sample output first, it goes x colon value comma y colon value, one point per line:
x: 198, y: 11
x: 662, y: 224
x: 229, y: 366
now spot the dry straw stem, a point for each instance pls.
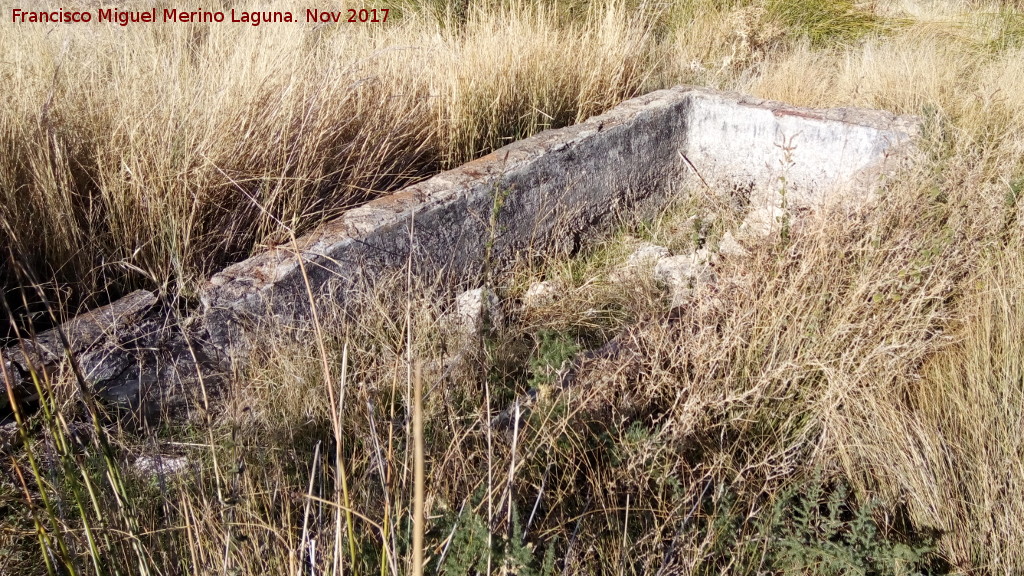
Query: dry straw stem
x: 419, y: 479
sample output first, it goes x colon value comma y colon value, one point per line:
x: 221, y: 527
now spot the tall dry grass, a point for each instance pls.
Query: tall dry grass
x: 845, y: 400
x: 149, y: 154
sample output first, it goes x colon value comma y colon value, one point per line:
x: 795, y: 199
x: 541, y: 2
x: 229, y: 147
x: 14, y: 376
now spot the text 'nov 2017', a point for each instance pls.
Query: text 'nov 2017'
x: 174, y: 15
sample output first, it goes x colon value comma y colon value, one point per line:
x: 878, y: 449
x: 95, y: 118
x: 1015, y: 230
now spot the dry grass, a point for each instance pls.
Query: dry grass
x: 845, y: 400
x: 147, y: 155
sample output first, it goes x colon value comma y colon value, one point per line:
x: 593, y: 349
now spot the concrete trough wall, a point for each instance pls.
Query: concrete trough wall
x: 551, y: 191
x: 547, y: 193
x: 815, y: 156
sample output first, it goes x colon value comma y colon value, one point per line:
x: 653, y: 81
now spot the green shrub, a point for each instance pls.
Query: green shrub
x: 823, y: 23
x: 819, y: 528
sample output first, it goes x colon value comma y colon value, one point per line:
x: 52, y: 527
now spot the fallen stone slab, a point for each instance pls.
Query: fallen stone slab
x: 161, y: 467
x: 81, y: 333
x: 132, y: 354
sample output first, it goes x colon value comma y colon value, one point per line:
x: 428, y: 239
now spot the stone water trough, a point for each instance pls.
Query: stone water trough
x: 546, y: 194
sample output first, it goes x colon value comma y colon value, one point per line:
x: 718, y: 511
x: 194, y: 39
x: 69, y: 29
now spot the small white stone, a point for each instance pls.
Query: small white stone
x: 681, y: 273
x: 704, y: 256
x: 729, y: 246
x: 763, y: 223
x: 161, y: 466
x: 641, y: 260
x: 675, y: 271
x: 540, y: 294
x: 467, y: 318
x: 647, y: 255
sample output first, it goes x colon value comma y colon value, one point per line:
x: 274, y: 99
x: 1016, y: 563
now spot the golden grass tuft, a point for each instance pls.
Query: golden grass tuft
x: 148, y: 155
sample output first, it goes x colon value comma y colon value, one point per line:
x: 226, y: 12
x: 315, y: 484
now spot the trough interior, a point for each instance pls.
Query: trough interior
x: 550, y: 192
